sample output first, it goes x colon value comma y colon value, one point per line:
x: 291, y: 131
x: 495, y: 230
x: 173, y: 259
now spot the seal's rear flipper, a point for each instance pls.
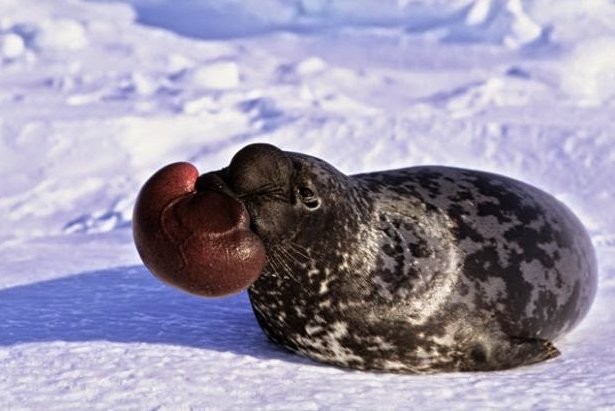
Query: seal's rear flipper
x: 532, y: 350
x: 509, y: 353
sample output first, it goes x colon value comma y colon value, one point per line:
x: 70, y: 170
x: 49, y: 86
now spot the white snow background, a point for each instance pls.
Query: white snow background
x: 94, y: 97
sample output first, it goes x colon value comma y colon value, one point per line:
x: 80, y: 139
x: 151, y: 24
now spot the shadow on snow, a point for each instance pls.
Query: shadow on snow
x: 128, y: 305
x: 216, y: 19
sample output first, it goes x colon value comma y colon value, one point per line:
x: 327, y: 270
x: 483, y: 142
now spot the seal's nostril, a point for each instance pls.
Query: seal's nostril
x: 211, y: 182
x: 201, y: 183
x: 214, y: 181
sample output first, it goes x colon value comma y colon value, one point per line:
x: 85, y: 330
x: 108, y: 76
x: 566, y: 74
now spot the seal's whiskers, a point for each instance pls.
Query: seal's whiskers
x: 298, y: 250
x: 281, y: 265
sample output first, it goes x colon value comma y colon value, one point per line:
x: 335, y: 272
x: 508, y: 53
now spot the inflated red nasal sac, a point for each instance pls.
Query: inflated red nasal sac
x: 199, y: 241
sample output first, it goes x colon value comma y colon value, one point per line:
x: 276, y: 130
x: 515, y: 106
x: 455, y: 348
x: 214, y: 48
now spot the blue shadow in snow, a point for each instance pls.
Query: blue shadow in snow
x: 204, y: 19
x: 128, y: 305
x: 224, y: 19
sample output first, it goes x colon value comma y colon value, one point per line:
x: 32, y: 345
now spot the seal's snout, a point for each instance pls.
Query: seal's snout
x: 213, y: 181
x: 192, y: 233
x: 209, y: 181
x: 257, y: 167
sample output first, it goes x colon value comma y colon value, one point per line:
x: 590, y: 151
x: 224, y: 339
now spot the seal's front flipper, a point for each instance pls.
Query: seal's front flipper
x: 509, y: 353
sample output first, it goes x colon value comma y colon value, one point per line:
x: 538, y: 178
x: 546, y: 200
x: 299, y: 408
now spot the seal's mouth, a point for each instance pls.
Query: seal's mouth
x: 195, y: 233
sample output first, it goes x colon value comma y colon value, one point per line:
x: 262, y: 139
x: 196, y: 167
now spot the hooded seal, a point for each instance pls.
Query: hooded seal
x: 416, y: 270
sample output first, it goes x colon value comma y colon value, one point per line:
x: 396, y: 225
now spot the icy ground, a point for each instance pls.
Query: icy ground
x: 94, y: 97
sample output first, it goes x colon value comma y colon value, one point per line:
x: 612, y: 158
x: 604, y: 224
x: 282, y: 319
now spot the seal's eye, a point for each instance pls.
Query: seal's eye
x: 305, y: 192
x: 308, y: 198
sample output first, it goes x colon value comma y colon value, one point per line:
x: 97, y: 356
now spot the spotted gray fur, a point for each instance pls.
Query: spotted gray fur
x: 419, y: 270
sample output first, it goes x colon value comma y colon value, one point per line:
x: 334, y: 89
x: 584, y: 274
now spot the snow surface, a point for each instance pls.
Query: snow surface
x: 94, y: 97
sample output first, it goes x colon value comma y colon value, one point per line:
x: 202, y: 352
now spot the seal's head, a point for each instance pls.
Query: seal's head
x: 209, y: 235
x: 289, y: 196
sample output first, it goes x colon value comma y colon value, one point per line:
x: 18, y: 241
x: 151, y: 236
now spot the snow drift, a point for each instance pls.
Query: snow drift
x: 93, y: 100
